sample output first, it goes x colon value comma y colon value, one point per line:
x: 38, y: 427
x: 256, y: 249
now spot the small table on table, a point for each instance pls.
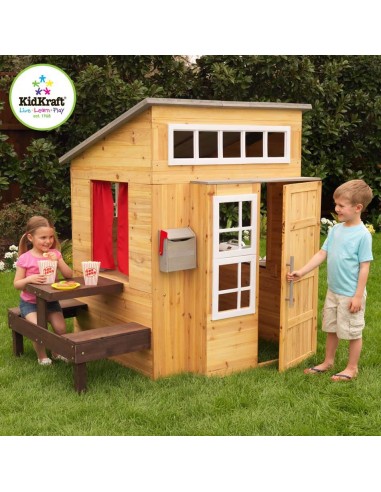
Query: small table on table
x: 45, y: 293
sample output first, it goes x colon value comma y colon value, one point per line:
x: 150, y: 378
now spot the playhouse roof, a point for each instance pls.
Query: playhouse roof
x: 152, y: 101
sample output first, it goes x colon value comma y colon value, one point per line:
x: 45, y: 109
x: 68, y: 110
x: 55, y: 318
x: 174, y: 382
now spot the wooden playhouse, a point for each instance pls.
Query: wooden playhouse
x: 167, y: 197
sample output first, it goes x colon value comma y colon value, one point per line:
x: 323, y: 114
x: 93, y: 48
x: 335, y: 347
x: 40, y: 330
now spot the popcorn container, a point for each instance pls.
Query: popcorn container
x: 49, y: 269
x: 91, y: 272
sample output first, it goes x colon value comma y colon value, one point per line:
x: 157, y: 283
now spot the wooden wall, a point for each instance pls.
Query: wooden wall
x: 123, y: 156
x: 162, y: 115
x: 216, y: 346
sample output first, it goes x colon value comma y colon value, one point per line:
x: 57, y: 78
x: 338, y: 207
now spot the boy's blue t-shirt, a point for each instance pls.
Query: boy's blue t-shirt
x: 346, y: 248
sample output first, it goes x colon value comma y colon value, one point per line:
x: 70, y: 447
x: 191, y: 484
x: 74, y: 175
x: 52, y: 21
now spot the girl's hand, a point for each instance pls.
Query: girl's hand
x: 50, y: 256
x: 36, y: 279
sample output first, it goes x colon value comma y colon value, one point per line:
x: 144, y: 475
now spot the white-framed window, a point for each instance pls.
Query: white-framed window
x: 234, y: 255
x: 228, y: 144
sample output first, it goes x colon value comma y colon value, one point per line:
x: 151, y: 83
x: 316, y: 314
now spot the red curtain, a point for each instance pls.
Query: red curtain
x: 122, y: 241
x: 103, y: 216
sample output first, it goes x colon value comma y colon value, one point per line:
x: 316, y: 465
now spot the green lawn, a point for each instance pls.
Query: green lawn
x: 40, y: 401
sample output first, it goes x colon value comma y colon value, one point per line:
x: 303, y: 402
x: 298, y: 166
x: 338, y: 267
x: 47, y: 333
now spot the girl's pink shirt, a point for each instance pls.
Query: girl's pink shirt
x: 30, y: 263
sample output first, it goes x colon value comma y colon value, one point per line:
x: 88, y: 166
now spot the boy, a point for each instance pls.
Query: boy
x: 348, y: 250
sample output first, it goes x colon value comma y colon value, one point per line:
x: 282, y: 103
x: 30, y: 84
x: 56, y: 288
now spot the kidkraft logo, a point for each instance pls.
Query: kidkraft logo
x: 42, y: 97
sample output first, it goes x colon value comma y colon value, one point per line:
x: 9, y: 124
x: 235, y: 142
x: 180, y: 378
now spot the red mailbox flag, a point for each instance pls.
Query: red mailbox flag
x: 163, y: 235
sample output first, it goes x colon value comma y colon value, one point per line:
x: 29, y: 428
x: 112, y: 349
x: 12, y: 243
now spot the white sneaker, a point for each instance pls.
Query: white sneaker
x: 45, y: 362
x: 60, y: 357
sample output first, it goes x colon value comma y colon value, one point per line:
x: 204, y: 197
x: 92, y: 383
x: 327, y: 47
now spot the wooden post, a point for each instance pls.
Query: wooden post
x: 42, y: 312
x: 18, y: 344
x: 80, y: 377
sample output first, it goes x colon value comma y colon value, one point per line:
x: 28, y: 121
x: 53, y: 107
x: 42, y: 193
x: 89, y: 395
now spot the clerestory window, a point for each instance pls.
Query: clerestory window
x: 228, y: 144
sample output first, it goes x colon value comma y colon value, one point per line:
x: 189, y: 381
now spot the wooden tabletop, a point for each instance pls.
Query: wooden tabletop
x: 47, y: 292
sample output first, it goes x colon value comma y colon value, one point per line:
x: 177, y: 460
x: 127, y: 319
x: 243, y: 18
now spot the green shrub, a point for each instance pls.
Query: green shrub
x: 67, y: 251
x: 14, y: 216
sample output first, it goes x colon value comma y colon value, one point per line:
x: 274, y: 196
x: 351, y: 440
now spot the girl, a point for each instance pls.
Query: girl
x: 39, y: 242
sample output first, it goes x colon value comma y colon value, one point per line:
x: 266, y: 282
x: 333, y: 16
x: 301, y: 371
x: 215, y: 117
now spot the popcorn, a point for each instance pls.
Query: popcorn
x: 91, y: 272
x: 49, y: 269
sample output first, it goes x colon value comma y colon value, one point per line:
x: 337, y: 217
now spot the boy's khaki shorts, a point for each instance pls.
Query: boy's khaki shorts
x: 338, y: 319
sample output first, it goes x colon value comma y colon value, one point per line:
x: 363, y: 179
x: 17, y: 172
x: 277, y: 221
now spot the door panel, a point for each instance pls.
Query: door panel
x: 300, y: 239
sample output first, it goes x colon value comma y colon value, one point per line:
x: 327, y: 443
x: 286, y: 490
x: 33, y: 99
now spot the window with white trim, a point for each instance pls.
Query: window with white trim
x: 228, y: 144
x: 234, y: 255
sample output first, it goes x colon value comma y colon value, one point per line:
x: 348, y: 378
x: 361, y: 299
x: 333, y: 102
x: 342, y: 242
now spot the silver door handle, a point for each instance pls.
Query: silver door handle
x: 290, y: 299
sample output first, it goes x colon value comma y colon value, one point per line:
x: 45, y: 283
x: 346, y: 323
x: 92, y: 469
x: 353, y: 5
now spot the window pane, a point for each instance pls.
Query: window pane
x: 247, y: 238
x: 246, y: 214
x: 245, y: 299
x: 254, y: 144
x: 182, y: 145
x: 228, y: 276
x: 208, y: 144
x: 228, y: 215
x: 275, y: 144
x: 227, y: 301
x: 231, y: 144
x: 245, y: 274
x: 229, y: 241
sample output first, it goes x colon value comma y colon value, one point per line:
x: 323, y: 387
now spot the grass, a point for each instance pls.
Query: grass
x: 36, y: 401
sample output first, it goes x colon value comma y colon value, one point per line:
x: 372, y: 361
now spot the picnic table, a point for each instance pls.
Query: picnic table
x: 83, y: 346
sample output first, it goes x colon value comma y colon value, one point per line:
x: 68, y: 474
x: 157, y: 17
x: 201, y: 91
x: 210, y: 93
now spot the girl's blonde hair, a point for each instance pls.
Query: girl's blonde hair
x: 32, y: 225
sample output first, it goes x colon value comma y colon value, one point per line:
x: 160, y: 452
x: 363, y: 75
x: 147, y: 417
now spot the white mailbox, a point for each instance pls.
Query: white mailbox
x: 177, y: 249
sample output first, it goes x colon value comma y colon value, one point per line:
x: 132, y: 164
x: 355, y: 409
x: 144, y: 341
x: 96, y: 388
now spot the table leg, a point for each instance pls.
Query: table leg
x: 80, y: 377
x: 42, y: 312
x: 18, y: 343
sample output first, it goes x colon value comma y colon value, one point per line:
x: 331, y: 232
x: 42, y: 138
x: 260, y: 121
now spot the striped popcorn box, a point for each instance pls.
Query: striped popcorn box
x: 49, y: 269
x: 90, y: 271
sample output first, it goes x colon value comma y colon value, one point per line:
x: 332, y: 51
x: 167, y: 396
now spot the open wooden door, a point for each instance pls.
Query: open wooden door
x: 298, y: 302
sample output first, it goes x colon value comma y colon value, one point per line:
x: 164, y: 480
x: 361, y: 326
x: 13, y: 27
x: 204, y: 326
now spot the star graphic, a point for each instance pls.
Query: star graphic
x: 38, y: 91
x: 49, y: 83
x: 35, y: 83
x: 47, y: 91
x: 42, y: 78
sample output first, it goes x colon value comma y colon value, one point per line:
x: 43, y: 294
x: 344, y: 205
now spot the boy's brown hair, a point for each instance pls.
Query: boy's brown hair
x: 356, y: 191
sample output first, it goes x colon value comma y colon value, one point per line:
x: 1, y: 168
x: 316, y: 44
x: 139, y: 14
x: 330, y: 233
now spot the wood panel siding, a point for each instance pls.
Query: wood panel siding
x: 170, y: 209
x: 216, y: 346
x: 162, y: 116
x: 123, y: 156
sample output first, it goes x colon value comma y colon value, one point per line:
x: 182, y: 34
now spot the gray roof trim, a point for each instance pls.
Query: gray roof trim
x: 297, y: 179
x: 153, y: 101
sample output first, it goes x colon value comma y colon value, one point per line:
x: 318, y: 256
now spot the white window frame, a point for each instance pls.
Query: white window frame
x: 220, y: 129
x: 234, y: 256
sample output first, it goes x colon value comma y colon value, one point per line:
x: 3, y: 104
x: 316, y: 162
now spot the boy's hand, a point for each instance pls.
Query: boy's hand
x: 295, y: 275
x: 354, y: 305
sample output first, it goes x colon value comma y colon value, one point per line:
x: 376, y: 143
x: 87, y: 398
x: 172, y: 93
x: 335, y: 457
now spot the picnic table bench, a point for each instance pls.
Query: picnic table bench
x: 83, y: 346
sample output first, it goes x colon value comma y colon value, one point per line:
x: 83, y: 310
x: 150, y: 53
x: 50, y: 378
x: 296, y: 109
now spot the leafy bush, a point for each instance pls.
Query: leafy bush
x: 8, y: 158
x: 43, y: 180
x: 67, y: 251
x: 14, y: 216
